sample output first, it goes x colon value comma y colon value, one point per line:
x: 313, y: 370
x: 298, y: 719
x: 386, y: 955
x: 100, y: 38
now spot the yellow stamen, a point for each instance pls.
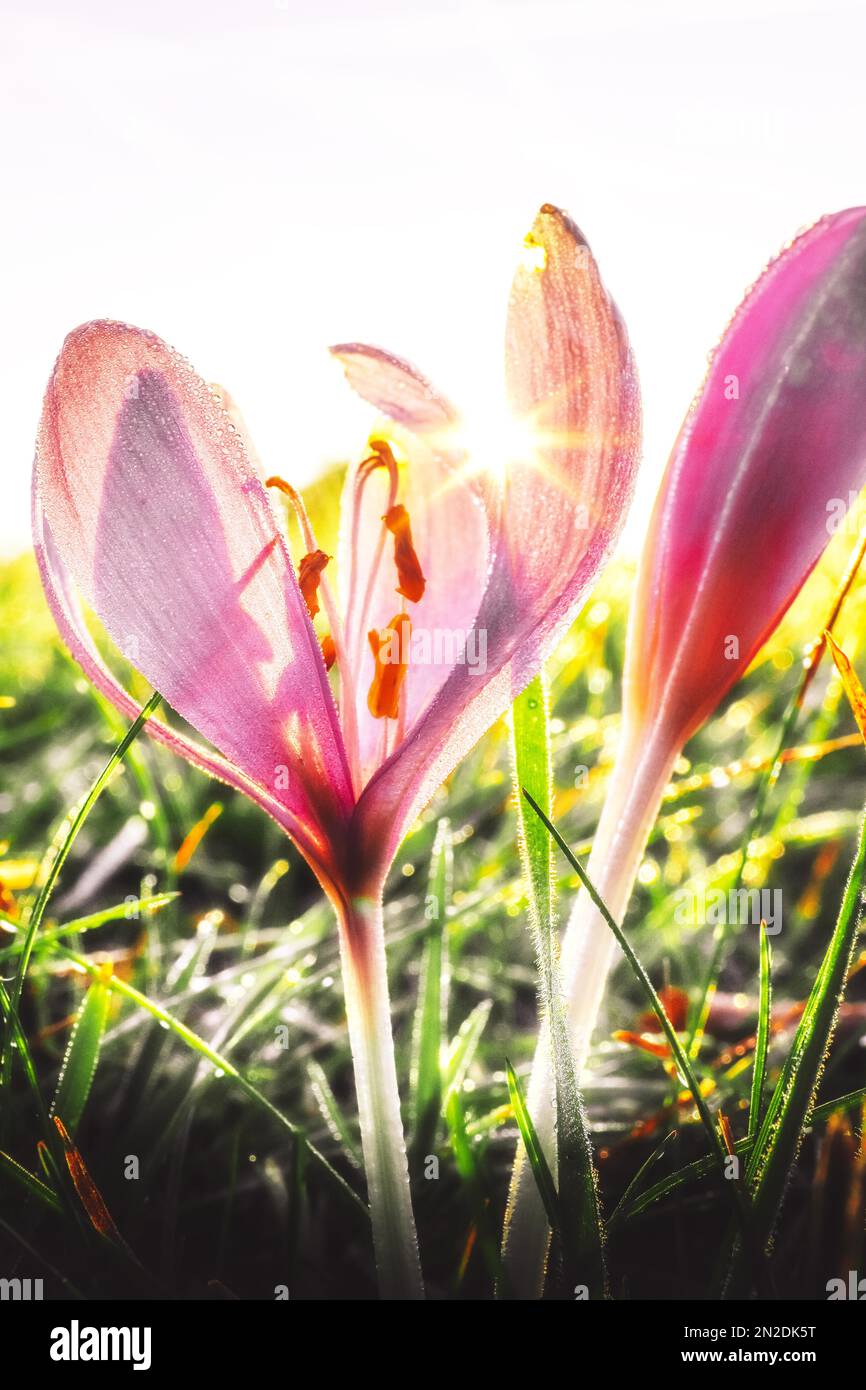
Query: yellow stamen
x: 390, y: 648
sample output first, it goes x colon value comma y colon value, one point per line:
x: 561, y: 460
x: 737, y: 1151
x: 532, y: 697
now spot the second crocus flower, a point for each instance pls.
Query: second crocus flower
x: 773, y: 446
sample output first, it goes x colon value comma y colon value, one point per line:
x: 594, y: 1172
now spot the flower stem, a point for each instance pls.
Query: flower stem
x: 633, y: 797
x: 365, y: 984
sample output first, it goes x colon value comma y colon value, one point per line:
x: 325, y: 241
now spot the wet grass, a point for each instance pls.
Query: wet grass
x: 181, y: 1000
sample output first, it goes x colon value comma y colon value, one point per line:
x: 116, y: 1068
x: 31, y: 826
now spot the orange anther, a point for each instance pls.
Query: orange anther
x: 412, y: 582
x: 329, y: 651
x: 390, y: 648
x: 383, y: 452
x: 309, y: 577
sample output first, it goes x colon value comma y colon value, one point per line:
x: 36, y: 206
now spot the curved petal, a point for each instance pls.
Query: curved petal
x: 153, y: 509
x: 450, y: 531
x: 767, y: 458
x: 67, y: 613
x: 570, y: 375
x: 395, y: 388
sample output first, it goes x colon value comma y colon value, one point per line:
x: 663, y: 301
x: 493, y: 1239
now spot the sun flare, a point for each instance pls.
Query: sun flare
x: 493, y: 439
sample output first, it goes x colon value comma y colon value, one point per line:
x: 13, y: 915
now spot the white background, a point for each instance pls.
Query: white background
x: 256, y: 179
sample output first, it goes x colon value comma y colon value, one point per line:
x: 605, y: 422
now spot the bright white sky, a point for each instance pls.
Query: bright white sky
x: 255, y: 179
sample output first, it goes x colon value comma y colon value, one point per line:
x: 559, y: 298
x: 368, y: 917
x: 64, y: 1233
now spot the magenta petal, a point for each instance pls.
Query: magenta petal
x: 765, y: 462
x: 570, y: 373
x: 156, y: 514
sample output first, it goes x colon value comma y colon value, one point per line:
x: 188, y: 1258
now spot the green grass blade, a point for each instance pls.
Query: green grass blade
x: 82, y: 1054
x: 534, y: 1152
x: 755, y: 827
x: 192, y: 960
x: 429, y: 1034
x: 332, y: 1114
x: 464, y: 1045
x: 829, y: 1107
x: 682, y: 1061
x: 51, y: 1150
x: 581, y: 1229
x: 759, y: 1067
x: 33, y: 1185
x: 776, y: 1147
x: 530, y: 753
x: 18, y: 1040
x: 149, y: 788
x: 699, y: 1168
x: 64, y: 842
x: 626, y: 1200
x: 224, y: 1068
x: 134, y: 908
x: 466, y: 1157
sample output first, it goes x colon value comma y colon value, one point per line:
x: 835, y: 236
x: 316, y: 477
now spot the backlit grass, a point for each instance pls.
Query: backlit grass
x: 207, y: 1081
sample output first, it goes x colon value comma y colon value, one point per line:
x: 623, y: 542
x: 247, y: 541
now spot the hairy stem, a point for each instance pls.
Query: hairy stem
x: 365, y: 984
x: 588, y: 950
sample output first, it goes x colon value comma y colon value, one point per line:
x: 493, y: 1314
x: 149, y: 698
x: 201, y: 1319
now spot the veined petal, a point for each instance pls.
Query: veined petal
x: 572, y: 381
x: 450, y: 531
x: 154, y: 511
x: 766, y: 460
x: 570, y: 375
x: 69, y: 617
x: 395, y: 388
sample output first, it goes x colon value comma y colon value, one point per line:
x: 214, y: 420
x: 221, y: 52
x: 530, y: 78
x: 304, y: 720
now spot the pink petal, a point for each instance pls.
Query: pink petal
x: 395, y: 388
x: 569, y: 369
x: 450, y: 531
x: 69, y: 618
x: 155, y: 513
x: 745, y: 509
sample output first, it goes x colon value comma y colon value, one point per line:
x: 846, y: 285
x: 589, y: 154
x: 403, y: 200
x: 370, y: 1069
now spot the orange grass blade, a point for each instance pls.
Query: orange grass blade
x: 851, y: 682
x: 89, y: 1194
x: 193, y: 839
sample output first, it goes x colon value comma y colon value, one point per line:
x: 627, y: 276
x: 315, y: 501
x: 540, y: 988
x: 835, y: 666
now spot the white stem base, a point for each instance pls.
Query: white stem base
x: 365, y: 983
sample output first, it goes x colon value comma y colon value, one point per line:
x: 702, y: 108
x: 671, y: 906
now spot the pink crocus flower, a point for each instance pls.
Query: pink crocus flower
x: 769, y: 455
x: 147, y: 505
